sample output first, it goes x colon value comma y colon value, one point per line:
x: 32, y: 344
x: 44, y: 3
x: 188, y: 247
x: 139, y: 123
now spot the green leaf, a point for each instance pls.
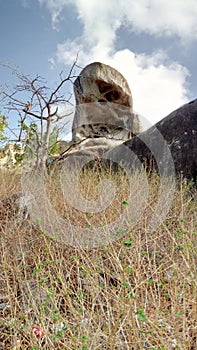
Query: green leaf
x: 141, y: 315
x: 85, y: 338
x: 128, y: 242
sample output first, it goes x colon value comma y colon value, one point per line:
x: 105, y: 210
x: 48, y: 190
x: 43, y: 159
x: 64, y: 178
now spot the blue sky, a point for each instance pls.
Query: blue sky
x: 151, y: 42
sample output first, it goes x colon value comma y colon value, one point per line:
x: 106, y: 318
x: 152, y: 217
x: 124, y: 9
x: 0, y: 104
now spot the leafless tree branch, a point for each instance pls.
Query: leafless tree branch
x: 33, y: 102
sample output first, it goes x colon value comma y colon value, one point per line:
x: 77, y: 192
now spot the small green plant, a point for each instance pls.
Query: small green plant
x: 141, y: 315
x: 128, y: 242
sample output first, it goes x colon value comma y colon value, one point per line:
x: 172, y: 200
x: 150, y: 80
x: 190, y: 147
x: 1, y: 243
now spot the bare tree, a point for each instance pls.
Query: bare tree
x: 37, y: 109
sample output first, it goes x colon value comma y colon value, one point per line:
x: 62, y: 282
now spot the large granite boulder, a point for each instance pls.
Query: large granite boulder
x: 170, y: 146
x: 104, y: 115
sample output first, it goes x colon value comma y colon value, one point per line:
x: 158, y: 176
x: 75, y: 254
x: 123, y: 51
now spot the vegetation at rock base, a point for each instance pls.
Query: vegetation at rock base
x: 138, y: 292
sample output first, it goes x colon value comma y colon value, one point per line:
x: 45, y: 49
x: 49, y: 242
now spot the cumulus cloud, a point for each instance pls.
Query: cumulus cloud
x: 157, y: 84
x: 163, y: 17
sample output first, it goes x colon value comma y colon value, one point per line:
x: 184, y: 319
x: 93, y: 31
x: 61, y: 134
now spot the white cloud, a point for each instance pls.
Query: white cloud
x: 158, y: 85
x: 55, y: 7
x: 159, y: 17
x: 157, y: 88
x: 51, y: 61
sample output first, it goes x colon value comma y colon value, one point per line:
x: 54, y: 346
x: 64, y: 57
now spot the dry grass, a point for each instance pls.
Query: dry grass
x: 138, y: 292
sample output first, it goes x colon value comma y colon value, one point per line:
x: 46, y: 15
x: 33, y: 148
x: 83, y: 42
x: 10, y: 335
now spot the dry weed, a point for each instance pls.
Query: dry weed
x: 139, y: 292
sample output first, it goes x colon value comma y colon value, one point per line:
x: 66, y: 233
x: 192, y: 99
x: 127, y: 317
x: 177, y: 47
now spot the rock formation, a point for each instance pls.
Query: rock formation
x: 105, y: 126
x: 104, y: 114
x: 170, y: 145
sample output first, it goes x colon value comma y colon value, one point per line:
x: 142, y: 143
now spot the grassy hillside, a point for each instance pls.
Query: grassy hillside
x: 138, y: 292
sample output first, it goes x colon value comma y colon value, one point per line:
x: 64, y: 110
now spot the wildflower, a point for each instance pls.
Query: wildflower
x: 37, y: 331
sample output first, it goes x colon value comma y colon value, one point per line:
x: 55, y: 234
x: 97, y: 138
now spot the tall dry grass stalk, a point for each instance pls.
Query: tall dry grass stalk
x: 138, y: 292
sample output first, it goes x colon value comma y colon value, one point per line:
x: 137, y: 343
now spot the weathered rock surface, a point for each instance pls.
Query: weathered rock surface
x: 104, y: 114
x: 170, y: 145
